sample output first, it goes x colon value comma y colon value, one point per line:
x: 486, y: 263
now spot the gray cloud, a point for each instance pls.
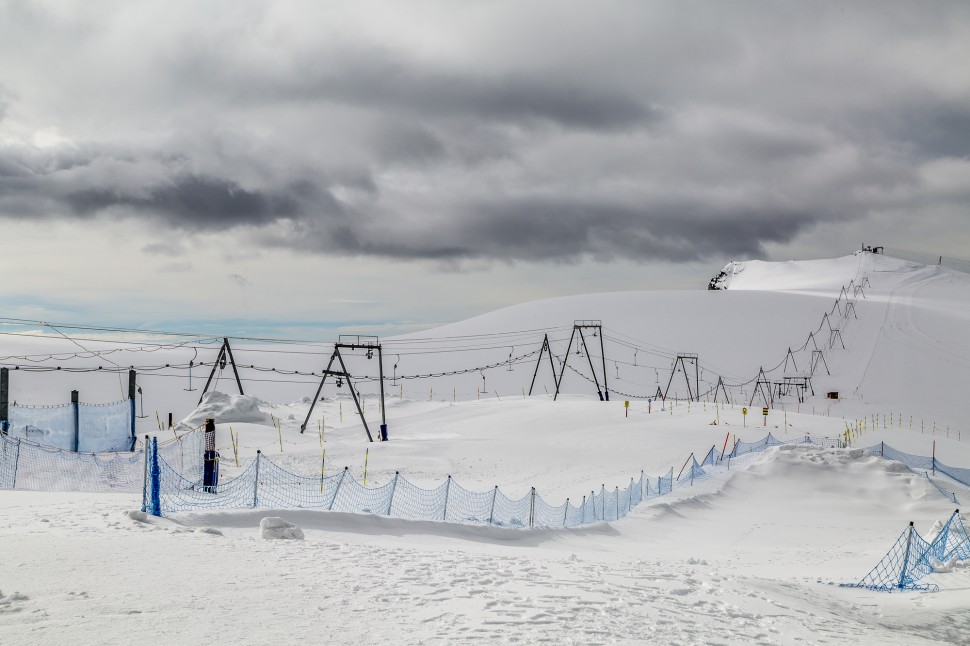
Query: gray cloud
x: 634, y: 131
x: 240, y: 281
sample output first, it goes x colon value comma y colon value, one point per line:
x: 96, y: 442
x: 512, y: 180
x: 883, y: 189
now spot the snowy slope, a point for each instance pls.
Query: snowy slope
x: 741, y: 559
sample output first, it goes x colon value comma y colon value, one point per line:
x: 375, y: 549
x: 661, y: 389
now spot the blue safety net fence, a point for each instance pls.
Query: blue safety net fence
x: 924, y: 464
x: 28, y: 466
x: 264, y: 484
x: 91, y: 428
x: 912, y: 558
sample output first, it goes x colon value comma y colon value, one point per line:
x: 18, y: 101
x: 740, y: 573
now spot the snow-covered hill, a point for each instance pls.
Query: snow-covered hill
x: 738, y: 559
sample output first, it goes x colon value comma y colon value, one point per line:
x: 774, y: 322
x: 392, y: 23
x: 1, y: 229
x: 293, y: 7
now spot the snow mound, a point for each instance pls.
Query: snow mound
x: 208, y: 530
x: 225, y: 408
x: 940, y: 567
x: 272, y: 527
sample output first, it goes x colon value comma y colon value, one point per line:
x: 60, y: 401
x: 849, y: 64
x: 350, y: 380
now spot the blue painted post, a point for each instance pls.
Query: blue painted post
x: 144, y: 479
x: 155, y: 479
x: 77, y: 420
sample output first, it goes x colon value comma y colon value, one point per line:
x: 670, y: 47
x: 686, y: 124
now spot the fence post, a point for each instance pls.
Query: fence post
x: 532, y: 508
x: 393, y: 489
x: 631, y: 493
x: 144, y: 479
x: 155, y: 479
x: 77, y: 420
x: 444, y: 514
x: 583, y: 516
x: 16, y: 461
x: 603, y: 504
x: 337, y: 490
x: 259, y: 454
x: 131, y: 404
x: 4, y: 399
x: 933, y: 463
x: 491, y: 514
x: 644, y: 486
x: 618, y: 502
x: 882, y: 449
x: 902, y: 572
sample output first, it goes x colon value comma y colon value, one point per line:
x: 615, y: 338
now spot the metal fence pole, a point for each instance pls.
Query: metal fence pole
x: 144, y: 479
x: 390, y: 502
x: 259, y: 454
x: 444, y: 514
x: 77, y: 421
x: 532, y: 508
x: 491, y: 514
x: 337, y: 490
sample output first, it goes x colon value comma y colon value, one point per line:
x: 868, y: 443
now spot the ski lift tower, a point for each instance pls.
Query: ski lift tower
x: 578, y: 327
x: 353, y: 342
x: 680, y: 363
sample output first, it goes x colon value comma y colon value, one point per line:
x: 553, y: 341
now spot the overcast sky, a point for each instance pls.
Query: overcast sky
x: 291, y: 168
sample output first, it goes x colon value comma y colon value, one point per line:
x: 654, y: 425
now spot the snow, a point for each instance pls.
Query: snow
x: 223, y: 409
x: 272, y: 527
x: 751, y: 557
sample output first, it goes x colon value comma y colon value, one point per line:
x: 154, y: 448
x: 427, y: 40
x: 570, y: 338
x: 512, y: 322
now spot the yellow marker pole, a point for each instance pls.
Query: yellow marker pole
x: 497, y: 397
x: 279, y: 431
x: 323, y: 468
x: 159, y: 419
x: 366, y: 455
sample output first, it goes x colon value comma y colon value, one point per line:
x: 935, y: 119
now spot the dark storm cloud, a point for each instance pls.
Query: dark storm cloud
x: 194, y: 202
x: 644, y: 131
x: 554, y: 230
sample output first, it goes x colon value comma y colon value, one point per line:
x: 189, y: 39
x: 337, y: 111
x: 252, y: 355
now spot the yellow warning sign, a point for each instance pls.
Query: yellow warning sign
x: 744, y: 411
x: 626, y: 404
x: 764, y: 411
